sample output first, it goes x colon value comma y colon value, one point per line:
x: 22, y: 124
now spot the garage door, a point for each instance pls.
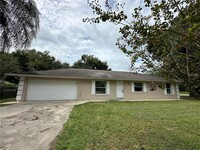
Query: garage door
x: 41, y: 89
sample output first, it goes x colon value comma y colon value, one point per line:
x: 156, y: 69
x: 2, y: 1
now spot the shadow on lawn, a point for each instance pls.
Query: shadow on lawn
x: 188, y: 98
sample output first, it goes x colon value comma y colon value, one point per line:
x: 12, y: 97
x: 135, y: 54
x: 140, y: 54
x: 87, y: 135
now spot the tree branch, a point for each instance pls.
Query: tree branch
x: 172, y: 59
x: 174, y: 1
x: 195, y: 42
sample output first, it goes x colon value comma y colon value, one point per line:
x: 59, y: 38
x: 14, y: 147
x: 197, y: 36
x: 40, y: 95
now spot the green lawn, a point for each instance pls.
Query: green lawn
x: 173, y: 125
x: 184, y: 92
x: 3, y: 101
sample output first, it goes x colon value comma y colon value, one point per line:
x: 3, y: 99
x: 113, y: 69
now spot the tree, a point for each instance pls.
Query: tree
x: 42, y: 61
x: 8, y: 64
x: 27, y: 60
x: 22, y: 59
x: 32, y: 60
x: 19, y: 23
x: 90, y: 62
x: 166, y: 39
x: 65, y: 65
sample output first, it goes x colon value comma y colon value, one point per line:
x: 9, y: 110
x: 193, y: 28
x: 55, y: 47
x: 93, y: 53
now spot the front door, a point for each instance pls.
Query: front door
x: 120, y: 89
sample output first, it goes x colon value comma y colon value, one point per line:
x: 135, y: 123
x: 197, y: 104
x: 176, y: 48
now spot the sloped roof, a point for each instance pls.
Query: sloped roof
x: 94, y: 74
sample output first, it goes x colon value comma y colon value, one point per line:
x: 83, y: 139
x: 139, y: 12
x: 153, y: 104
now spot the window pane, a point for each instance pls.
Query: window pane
x: 100, y: 83
x: 100, y: 87
x: 168, y: 91
x: 138, y: 86
x: 100, y: 91
x: 168, y: 88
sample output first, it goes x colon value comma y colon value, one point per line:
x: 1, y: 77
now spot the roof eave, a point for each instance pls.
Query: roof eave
x: 86, y: 78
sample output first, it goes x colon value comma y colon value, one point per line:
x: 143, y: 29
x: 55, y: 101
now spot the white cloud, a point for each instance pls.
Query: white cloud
x: 63, y: 33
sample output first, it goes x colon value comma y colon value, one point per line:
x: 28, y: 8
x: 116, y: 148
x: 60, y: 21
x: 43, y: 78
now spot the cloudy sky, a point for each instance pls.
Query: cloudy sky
x: 63, y: 33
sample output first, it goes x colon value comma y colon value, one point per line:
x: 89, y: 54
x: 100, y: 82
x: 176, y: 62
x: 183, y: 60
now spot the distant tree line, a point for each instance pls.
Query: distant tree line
x: 90, y: 62
x: 32, y: 60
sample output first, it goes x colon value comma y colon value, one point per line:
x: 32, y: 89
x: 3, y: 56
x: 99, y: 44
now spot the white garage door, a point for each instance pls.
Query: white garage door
x: 41, y: 89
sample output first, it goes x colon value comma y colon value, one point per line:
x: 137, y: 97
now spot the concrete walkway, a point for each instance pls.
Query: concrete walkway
x: 32, y: 125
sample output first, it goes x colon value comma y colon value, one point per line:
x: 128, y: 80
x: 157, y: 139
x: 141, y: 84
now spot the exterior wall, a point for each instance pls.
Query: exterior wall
x: 157, y: 94
x: 84, y: 91
x: 85, y: 87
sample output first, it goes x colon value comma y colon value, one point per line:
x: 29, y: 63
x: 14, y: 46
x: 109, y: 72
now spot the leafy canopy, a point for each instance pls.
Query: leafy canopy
x: 28, y: 60
x: 166, y: 40
x: 19, y: 23
x: 90, y: 62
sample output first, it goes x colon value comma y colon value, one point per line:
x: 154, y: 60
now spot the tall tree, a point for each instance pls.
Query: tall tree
x: 27, y: 60
x: 167, y: 38
x: 90, y: 62
x: 30, y: 60
x: 19, y: 23
x: 23, y: 60
x: 8, y: 64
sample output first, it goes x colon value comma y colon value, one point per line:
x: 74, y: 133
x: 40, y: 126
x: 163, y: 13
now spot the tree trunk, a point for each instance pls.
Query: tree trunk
x: 194, y: 91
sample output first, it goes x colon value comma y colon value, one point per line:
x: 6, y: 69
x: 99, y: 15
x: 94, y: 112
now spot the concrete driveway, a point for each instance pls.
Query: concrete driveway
x: 32, y: 125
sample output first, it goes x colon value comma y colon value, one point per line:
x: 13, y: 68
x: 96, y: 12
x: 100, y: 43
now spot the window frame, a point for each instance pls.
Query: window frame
x: 144, y: 88
x: 100, y: 87
x: 107, y: 87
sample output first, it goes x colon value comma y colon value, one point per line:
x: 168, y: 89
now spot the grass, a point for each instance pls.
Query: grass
x: 183, y: 92
x: 3, y: 101
x: 132, y: 125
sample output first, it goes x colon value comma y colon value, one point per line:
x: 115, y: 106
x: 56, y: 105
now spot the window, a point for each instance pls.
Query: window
x: 100, y: 87
x: 138, y: 87
x: 168, y: 88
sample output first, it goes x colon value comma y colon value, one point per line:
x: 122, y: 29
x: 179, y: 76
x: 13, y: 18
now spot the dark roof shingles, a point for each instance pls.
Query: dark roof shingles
x: 98, y: 74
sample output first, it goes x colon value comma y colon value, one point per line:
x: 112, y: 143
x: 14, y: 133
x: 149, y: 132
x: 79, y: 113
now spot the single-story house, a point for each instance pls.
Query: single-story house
x: 86, y: 84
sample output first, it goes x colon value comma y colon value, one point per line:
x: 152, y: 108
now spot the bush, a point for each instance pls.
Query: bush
x: 7, y: 90
x: 7, y: 85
